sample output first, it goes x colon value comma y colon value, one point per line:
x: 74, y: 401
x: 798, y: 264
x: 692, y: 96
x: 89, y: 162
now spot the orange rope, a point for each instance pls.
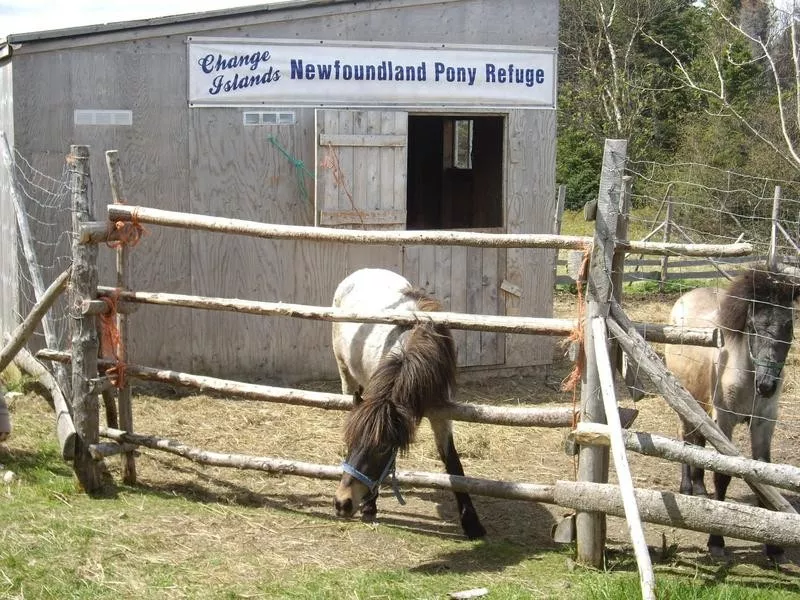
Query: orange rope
x: 124, y: 233
x: 576, y: 337
x: 570, y: 383
x: 110, y: 340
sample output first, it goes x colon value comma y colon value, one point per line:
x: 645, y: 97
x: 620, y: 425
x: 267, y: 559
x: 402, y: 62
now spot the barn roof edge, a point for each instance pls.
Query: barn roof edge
x: 89, y: 30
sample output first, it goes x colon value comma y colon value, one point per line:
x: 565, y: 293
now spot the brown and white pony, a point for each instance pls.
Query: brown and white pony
x: 740, y: 382
x: 397, y: 375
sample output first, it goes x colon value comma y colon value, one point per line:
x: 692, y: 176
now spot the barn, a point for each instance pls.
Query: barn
x: 365, y: 114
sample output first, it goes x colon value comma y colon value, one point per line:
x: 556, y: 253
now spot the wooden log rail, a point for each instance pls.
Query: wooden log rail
x: 624, y: 478
x: 155, y: 216
x: 699, y: 336
x: 181, y: 220
x: 729, y: 519
x: 65, y: 428
x: 779, y: 475
x: 664, y: 508
x: 472, y: 413
x: 24, y: 330
x: 442, y: 481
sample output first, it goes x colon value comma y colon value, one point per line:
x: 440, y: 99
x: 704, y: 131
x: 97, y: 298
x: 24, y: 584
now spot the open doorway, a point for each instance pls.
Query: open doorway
x: 455, y: 172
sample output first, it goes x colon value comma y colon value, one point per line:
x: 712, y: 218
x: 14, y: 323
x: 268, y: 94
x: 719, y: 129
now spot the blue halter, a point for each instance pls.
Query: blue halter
x: 373, y: 486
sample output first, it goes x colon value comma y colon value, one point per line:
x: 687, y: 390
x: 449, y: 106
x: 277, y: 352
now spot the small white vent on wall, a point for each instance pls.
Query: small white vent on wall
x: 103, y: 117
x: 264, y: 117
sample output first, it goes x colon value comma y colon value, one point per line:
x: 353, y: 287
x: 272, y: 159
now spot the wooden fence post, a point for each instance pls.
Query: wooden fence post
x: 124, y: 393
x: 83, y: 286
x: 665, y: 259
x: 593, y: 462
x: 772, y: 260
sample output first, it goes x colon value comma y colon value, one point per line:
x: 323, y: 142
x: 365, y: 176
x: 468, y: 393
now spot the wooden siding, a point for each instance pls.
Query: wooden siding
x: 464, y: 280
x: 206, y: 161
x: 8, y: 227
x: 493, y: 22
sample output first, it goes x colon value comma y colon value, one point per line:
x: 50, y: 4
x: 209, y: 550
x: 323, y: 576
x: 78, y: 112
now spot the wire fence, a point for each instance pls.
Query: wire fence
x: 711, y: 205
x: 696, y: 203
x: 46, y: 204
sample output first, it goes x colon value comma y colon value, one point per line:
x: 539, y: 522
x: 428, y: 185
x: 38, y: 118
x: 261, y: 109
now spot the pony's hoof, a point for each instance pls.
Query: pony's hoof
x: 775, y: 554
x: 717, y: 553
x: 474, y: 531
x: 369, y: 512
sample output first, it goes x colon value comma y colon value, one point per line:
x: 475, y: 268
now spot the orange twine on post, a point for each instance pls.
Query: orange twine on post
x: 110, y: 340
x: 570, y: 383
x: 125, y: 233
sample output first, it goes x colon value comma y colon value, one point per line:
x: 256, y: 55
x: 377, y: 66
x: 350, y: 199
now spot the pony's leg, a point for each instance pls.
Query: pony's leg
x: 761, y: 431
x: 692, y: 478
x: 350, y: 386
x: 443, y: 433
x: 716, y: 543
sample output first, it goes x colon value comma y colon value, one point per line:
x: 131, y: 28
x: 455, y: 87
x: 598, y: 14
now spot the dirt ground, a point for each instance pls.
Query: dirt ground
x: 494, y: 452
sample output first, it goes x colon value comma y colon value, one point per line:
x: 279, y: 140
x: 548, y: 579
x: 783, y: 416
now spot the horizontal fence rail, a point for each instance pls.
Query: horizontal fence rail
x: 651, y: 269
x: 155, y: 216
x: 650, y: 444
x: 665, y: 334
x: 486, y: 487
x: 514, y: 416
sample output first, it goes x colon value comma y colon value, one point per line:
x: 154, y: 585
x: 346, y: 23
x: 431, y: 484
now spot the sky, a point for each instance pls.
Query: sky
x: 25, y: 16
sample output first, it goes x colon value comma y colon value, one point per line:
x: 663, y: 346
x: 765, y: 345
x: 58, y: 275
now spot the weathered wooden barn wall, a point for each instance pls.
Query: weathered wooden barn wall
x: 203, y: 160
x: 8, y: 245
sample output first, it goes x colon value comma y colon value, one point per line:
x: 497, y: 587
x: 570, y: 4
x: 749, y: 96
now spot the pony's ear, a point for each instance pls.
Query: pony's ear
x: 792, y: 275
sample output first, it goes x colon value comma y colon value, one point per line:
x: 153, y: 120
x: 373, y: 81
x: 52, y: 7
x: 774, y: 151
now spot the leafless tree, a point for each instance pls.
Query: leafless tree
x: 773, y: 119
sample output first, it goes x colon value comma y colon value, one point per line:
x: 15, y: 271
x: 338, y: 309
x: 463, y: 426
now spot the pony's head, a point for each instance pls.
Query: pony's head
x: 376, y: 430
x: 758, y: 305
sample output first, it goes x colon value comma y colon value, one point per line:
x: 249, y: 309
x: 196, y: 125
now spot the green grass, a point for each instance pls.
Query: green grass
x: 13, y: 379
x: 57, y: 543
x: 602, y: 587
x: 641, y: 223
x: 671, y: 286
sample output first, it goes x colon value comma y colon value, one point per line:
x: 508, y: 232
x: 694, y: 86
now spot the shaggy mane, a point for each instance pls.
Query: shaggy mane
x: 757, y: 286
x: 407, y: 383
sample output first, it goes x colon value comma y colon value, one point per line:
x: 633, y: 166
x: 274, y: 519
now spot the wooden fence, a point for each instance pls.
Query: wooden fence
x: 589, y: 496
x: 649, y: 269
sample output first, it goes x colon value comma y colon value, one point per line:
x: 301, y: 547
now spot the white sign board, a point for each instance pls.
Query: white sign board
x: 247, y: 72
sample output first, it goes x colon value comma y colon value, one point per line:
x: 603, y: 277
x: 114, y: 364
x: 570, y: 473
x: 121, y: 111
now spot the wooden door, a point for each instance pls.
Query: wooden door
x: 361, y: 169
x: 361, y: 179
x: 465, y: 280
